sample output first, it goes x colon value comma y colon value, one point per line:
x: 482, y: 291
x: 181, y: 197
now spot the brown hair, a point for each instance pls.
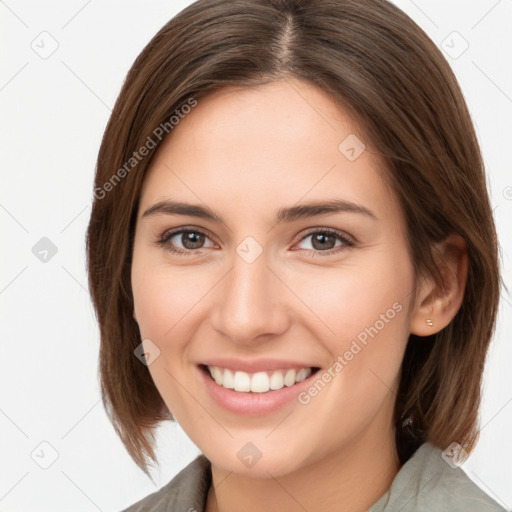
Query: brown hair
x: 375, y: 61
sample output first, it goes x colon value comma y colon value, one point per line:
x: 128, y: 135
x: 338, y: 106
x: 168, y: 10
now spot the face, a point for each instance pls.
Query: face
x: 267, y: 290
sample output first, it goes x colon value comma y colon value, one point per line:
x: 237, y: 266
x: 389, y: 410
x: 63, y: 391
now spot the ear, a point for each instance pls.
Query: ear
x: 437, y: 305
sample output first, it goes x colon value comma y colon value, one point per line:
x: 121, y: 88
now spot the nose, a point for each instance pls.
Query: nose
x: 250, y: 304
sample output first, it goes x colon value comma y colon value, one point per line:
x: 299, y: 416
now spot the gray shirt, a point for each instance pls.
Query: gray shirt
x: 425, y: 483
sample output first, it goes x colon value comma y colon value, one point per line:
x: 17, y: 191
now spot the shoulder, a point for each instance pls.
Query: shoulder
x: 186, y: 491
x: 427, y: 482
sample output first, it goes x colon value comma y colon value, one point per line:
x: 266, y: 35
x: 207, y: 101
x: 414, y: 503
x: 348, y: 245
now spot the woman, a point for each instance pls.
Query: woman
x: 291, y: 252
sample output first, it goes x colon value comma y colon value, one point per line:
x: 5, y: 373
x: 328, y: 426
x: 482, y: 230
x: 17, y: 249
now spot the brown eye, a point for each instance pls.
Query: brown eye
x: 324, y: 241
x: 190, y: 240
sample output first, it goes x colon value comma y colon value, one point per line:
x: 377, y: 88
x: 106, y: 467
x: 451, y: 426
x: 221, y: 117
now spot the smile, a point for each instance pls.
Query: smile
x: 261, y: 387
x: 259, y: 382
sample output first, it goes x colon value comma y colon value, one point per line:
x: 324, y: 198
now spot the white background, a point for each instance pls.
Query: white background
x: 53, y: 114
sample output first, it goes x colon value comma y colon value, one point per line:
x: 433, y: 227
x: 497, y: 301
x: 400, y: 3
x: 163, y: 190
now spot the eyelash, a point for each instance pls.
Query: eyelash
x: 163, y: 240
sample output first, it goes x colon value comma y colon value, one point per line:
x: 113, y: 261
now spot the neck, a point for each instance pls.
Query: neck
x: 348, y: 480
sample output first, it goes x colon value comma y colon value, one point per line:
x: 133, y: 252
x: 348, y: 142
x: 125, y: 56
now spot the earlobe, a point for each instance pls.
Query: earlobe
x: 436, y: 305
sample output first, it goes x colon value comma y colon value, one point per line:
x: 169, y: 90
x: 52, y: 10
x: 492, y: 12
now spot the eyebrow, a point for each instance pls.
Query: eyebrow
x: 287, y: 214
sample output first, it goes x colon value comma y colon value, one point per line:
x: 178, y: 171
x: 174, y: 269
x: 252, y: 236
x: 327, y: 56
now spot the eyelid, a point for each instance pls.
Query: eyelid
x: 169, y: 233
x: 174, y: 231
x: 332, y: 231
x: 348, y: 240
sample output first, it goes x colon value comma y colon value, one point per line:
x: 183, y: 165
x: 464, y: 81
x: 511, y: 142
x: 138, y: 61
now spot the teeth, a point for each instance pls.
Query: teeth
x: 241, y: 382
x: 259, y: 382
x: 277, y: 380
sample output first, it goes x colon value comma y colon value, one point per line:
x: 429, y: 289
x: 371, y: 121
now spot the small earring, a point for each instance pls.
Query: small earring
x: 429, y: 322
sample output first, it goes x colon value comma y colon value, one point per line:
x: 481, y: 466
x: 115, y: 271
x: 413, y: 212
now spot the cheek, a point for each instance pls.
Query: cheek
x: 361, y: 315
x: 164, y: 306
x: 349, y: 300
x: 163, y: 300
x: 366, y: 310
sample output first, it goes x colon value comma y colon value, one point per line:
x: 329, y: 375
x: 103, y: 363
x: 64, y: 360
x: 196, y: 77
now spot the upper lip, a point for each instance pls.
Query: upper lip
x: 256, y: 365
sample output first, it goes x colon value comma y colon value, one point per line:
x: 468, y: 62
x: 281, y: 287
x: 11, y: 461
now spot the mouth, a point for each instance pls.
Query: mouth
x: 259, y: 382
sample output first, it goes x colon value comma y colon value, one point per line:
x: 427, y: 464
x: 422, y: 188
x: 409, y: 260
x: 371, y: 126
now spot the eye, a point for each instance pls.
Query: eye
x: 324, y: 241
x: 193, y: 239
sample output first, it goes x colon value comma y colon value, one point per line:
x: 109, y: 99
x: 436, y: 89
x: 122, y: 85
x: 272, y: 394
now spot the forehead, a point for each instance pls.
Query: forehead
x: 265, y: 147
x: 287, y: 112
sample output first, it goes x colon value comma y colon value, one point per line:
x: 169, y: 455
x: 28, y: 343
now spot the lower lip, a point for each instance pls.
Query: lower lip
x: 253, y: 404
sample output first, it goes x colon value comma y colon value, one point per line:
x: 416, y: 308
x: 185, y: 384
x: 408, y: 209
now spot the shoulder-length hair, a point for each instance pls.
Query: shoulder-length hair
x: 376, y: 62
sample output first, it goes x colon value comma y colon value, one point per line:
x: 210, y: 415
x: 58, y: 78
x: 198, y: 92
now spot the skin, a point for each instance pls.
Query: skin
x: 245, y: 153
